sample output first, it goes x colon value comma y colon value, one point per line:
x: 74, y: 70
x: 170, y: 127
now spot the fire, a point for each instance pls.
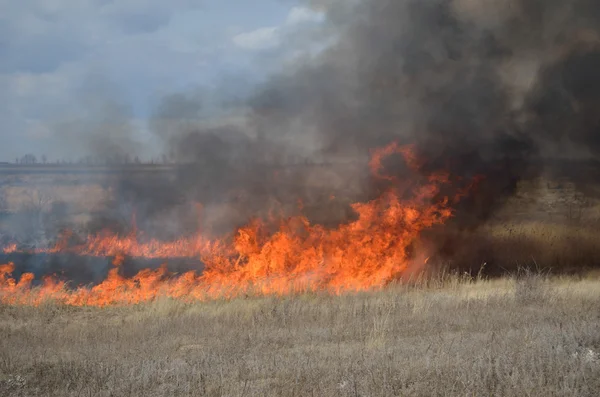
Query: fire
x: 9, y: 249
x: 278, y: 256
x: 115, y: 289
x: 109, y: 245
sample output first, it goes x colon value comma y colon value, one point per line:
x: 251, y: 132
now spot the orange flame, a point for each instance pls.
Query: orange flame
x: 289, y: 256
x: 109, y: 244
x: 9, y: 249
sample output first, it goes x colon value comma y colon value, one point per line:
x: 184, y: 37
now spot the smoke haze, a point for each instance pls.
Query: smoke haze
x: 482, y: 88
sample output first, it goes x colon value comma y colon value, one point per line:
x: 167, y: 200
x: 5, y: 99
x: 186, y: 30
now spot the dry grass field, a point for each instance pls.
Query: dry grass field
x: 523, y: 335
x: 517, y: 336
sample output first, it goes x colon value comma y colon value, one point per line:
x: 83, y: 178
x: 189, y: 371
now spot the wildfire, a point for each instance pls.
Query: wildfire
x: 107, y: 244
x: 9, y: 249
x: 280, y: 256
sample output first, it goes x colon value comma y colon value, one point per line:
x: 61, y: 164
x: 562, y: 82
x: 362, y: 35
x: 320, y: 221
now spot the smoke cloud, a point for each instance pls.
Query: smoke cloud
x: 482, y: 88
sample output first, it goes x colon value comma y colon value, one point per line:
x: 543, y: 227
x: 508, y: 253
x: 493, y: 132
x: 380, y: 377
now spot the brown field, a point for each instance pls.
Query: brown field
x: 520, y: 335
x: 531, y: 336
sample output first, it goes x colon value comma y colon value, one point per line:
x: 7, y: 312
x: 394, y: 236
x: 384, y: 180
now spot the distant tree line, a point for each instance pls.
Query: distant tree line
x: 126, y: 159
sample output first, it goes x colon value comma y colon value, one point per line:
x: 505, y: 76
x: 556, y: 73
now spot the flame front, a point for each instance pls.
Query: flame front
x: 9, y: 249
x: 281, y: 256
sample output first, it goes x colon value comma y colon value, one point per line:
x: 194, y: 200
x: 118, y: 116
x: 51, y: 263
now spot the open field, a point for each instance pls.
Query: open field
x: 546, y: 222
x: 508, y: 337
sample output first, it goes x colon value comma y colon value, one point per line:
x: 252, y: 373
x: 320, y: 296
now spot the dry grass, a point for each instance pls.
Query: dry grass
x: 84, y: 197
x: 505, y: 247
x: 507, y: 337
x: 528, y: 335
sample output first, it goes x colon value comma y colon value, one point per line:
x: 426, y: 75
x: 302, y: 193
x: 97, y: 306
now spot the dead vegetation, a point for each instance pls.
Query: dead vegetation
x: 518, y: 336
x: 529, y: 334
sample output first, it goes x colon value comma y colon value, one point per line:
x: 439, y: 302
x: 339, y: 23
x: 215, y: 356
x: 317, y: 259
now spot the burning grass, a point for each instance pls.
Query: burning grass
x: 278, y: 256
x: 286, y: 307
x: 529, y: 335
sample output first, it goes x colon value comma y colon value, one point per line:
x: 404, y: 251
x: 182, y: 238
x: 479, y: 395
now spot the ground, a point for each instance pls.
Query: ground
x: 505, y: 337
x: 447, y: 336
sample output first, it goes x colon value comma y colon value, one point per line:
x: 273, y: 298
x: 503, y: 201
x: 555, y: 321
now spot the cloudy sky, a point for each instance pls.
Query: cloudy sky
x: 60, y: 58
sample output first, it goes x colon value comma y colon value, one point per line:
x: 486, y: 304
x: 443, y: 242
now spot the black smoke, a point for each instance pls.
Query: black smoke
x: 483, y: 88
x: 492, y: 89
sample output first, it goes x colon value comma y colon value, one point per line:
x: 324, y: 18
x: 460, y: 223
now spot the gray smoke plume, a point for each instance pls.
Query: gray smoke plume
x: 483, y: 88
x: 497, y: 89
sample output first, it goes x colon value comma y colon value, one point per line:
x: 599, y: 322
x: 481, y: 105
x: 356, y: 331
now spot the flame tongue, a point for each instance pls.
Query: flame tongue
x: 297, y: 256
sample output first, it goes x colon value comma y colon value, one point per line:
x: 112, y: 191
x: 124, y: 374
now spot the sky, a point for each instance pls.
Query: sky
x: 62, y: 60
